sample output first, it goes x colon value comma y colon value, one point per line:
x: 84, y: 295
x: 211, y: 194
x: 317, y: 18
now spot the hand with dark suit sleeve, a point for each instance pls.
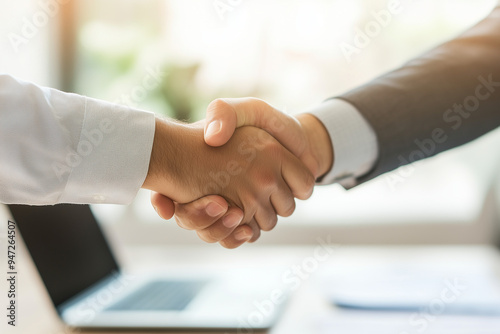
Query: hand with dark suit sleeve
x: 440, y: 100
x: 443, y: 99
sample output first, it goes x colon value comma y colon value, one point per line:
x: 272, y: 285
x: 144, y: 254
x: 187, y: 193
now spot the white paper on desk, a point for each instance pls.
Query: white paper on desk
x: 356, y: 322
x: 416, y: 289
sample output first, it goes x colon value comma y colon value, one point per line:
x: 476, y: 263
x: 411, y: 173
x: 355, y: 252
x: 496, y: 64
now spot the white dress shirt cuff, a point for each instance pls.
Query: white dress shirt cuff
x: 354, y: 142
x: 111, y: 160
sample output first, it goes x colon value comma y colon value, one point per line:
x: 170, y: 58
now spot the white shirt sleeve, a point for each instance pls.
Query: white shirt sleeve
x: 57, y: 147
x: 354, y: 142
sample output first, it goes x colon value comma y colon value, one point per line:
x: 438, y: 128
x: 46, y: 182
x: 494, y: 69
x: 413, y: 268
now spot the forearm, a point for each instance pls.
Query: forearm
x: 179, y: 161
x: 163, y: 173
x: 445, y: 98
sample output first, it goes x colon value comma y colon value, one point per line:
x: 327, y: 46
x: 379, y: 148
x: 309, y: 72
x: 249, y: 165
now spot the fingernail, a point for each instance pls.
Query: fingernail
x: 213, y: 128
x: 231, y: 220
x: 214, y: 209
x: 241, y: 235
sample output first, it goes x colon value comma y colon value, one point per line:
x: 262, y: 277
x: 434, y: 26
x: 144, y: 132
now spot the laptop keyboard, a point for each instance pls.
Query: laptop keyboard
x: 160, y: 296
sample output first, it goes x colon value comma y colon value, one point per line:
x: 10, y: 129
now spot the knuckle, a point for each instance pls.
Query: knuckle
x: 310, y: 181
x: 260, y: 106
x: 266, y: 180
x: 229, y: 244
x: 307, y: 187
x: 182, y: 223
x: 289, y: 210
x: 250, y: 208
x: 215, y: 233
x: 270, y: 223
x: 256, y: 100
x: 255, y: 237
x: 188, y: 223
x: 207, y: 236
x: 184, y: 215
x: 217, y: 105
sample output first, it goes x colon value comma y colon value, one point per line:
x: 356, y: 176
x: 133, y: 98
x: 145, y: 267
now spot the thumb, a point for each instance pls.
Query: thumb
x: 220, y: 122
x: 225, y: 115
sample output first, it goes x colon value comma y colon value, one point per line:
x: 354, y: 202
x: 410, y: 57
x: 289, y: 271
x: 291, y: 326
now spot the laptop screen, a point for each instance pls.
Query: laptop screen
x: 67, y: 246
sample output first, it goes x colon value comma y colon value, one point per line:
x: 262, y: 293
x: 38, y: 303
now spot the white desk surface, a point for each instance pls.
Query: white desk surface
x: 308, y: 310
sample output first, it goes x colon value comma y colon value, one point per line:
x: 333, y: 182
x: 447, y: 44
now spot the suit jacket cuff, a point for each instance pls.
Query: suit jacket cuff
x: 353, y: 140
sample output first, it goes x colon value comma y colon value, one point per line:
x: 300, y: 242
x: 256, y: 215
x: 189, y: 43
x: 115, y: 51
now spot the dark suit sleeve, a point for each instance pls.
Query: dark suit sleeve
x: 443, y: 99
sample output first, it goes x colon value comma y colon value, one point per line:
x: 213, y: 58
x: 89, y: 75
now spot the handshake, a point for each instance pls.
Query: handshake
x: 229, y: 177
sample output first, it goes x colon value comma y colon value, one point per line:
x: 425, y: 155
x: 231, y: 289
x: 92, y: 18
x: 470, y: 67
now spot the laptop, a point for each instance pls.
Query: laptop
x: 88, y: 289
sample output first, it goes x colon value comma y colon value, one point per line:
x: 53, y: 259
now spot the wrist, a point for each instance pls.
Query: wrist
x: 161, y: 169
x: 320, y: 142
x: 174, y: 168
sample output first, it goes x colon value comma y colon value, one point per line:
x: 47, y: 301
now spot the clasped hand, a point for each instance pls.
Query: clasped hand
x: 230, y: 176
